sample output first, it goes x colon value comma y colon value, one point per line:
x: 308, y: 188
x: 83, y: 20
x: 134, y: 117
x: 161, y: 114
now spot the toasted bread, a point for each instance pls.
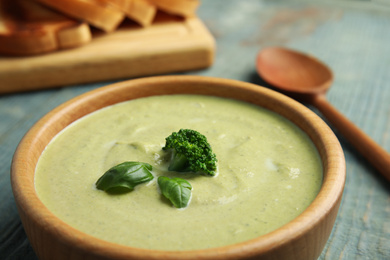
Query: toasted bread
x: 98, y: 13
x: 140, y: 11
x: 28, y: 28
x: 184, y: 8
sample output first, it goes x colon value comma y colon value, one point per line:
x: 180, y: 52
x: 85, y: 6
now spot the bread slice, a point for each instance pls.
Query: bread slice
x: 28, y: 28
x: 140, y: 11
x: 185, y: 8
x: 98, y: 13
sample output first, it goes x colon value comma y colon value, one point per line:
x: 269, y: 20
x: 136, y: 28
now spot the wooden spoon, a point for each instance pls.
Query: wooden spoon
x: 307, y: 79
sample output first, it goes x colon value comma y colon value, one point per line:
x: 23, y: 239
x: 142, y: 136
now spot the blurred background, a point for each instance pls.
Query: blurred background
x: 351, y: 37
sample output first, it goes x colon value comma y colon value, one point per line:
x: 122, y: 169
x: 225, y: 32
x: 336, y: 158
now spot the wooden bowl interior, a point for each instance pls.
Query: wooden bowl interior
x: 52, y: 238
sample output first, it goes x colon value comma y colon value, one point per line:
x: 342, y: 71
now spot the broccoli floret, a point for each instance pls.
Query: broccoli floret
x: 190, y: 152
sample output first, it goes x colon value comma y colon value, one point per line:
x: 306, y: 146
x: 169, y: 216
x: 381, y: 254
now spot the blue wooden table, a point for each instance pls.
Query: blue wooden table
x: 352, y: 37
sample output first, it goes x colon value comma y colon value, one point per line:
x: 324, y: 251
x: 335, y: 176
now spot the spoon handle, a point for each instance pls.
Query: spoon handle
x: 375, y: 154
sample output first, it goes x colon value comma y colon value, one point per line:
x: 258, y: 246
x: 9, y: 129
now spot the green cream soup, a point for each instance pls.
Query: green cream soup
x: 268, y: 173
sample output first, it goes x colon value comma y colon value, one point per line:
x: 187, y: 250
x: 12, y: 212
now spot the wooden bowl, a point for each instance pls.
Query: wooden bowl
x: 302, y: 238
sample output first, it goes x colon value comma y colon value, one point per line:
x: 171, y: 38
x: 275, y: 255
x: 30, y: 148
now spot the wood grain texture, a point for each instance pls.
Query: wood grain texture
x: 166, y: 47
x: 367, y: 147
x: 53, y: 239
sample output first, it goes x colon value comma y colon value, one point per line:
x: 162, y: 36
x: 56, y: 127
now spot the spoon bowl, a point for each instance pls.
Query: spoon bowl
x: 293, y: 71
x: 305, y: 78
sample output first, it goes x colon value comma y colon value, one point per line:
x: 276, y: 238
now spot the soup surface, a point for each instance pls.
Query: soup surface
x: 268, y: 173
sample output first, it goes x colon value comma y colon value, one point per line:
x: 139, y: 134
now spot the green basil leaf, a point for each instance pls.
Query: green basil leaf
x: 177, y: 190
x: 124, y: 177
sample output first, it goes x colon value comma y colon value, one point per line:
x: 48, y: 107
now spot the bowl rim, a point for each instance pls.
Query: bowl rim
x: 25, y: 159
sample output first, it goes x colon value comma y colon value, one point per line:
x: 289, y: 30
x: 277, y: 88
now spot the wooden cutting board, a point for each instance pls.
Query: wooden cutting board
x: 168, y: 46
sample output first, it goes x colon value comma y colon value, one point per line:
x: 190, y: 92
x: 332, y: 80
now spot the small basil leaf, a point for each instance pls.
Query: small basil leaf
x: 177, y: 190
x: 124, y: 177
